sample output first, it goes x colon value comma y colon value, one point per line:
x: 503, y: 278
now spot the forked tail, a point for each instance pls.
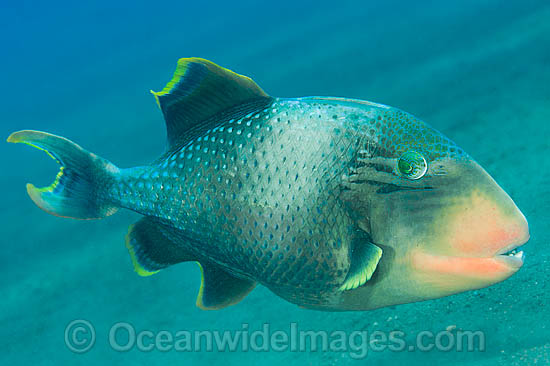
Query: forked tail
x: 79, y: 190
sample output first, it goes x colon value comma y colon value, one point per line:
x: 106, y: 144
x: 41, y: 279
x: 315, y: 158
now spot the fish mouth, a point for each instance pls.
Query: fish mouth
x: 487, y: 269
x: 512, y: 255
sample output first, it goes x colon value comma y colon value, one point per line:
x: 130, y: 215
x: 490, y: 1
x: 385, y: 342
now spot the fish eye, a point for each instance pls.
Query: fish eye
x: 412, y: 165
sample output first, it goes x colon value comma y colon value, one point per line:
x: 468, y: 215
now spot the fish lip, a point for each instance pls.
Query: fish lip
x: 489, y: 269
x: 514, y: 262
x: 510, y: 264
x: 513, y: 245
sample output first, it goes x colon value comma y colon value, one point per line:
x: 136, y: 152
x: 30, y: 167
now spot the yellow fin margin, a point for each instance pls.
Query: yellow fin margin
x: 360, y: 278
x: 137, y: 267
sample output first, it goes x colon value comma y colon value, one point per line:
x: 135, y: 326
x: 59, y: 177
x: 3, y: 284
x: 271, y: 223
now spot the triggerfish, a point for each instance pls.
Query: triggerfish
x: 331, y: 203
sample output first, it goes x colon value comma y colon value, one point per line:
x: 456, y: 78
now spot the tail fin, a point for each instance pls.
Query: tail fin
x: 79, y: 189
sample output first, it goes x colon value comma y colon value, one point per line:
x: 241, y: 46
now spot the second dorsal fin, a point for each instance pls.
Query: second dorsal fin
x: 198, y: 91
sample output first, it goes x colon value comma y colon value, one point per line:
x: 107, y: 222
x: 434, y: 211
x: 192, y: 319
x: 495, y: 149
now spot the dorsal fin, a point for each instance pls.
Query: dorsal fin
x: 198, y: 91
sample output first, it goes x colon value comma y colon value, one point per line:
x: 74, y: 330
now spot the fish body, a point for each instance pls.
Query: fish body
x: 332, y: 203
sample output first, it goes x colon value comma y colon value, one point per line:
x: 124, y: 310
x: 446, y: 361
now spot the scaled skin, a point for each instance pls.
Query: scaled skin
x: 297, y: 195
x: 268, y: 197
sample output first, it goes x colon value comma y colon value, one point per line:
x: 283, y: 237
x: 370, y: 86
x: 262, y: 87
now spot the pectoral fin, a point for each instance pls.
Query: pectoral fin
x: 364, y: 260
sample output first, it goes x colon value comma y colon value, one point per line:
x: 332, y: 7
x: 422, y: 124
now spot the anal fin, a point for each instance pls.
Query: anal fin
x: 154, y: 246
x: 150, y: 250
x: 220, y: 289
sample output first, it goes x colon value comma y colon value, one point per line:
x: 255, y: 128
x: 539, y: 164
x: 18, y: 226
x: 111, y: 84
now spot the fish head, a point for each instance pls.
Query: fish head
x: 444, y: 225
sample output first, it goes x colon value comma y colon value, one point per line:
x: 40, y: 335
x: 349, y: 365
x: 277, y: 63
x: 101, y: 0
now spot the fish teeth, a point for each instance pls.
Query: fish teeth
x: 514, y: 253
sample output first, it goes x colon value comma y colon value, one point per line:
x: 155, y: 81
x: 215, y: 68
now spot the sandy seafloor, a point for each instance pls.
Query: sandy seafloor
x: 478, y: 70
